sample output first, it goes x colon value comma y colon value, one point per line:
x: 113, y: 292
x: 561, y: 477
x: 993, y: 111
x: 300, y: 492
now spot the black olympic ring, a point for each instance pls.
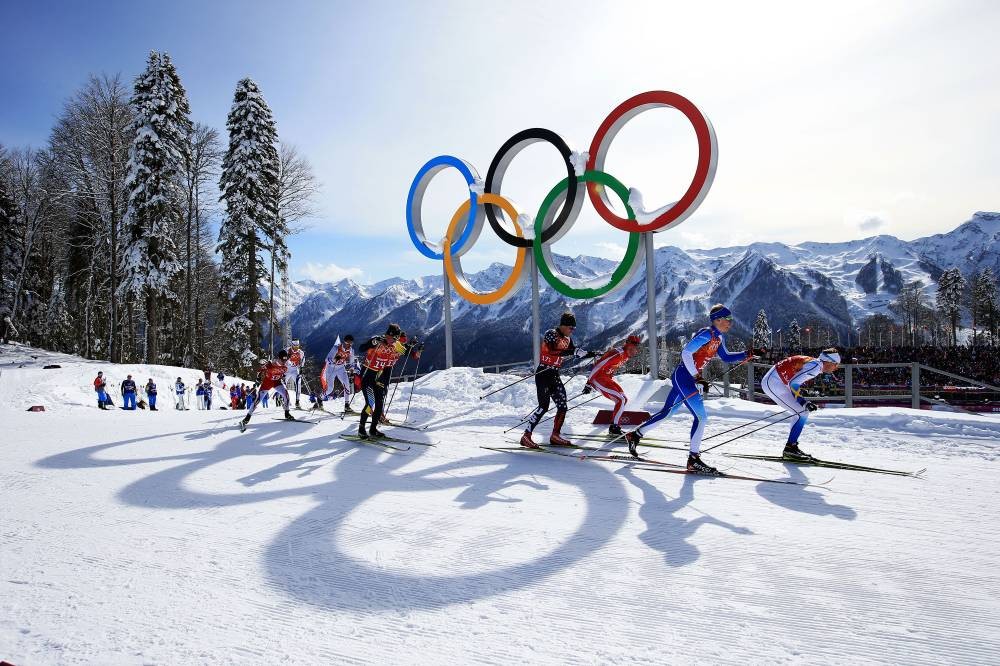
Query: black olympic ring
x: 498, y: 167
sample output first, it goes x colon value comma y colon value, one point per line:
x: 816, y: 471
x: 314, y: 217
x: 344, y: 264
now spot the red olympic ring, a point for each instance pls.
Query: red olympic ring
x: 708, y: 152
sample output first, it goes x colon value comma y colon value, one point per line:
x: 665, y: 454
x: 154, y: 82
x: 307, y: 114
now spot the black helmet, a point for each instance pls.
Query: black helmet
x: 282, y: 354
x: 348, y: 338
x: 567, y: 319
x: 393, y: 330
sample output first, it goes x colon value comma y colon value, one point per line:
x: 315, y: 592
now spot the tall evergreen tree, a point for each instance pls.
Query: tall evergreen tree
x: 162, y: 124
x: 984, y: 306
x: 950, y: 294
x: 761, y: 330
x: 794, y: 334
x: 249, y: 187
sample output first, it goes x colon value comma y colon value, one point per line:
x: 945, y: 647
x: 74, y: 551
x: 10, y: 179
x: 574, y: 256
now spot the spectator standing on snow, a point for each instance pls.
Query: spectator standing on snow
x: 180, y: 390
x: 99, y: 387
x: 199, y: 395
x: 128, y: 393
x: 151, y: 394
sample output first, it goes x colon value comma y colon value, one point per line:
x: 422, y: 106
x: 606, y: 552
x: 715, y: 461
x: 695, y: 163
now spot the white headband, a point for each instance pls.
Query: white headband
x: 830, y: 357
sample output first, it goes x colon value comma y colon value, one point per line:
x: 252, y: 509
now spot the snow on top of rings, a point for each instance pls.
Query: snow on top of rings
x: 477, y: 187
x: 579, y: 162
x: 642, y: 215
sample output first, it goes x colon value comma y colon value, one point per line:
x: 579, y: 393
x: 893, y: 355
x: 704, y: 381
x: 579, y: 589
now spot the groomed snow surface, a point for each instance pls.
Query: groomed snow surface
x: 171, y: 538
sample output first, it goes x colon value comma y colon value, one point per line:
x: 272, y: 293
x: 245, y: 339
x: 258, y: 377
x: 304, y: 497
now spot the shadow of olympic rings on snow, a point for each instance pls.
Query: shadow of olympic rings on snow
x: 304, y: 559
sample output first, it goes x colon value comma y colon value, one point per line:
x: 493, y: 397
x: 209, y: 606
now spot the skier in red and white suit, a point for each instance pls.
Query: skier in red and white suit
x: 296, y: 359
x: 270, y: 376
x: 338, y: 363
x: 602, y: 378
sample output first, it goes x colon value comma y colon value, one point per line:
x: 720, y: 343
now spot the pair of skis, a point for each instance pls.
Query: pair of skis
x: 650, y: 464
x: 384, y: 441
x: 832, y: 464
x: 814, y: 462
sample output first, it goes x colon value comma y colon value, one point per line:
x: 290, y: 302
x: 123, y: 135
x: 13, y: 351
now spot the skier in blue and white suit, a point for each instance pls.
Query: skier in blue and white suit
x: 705, y: 345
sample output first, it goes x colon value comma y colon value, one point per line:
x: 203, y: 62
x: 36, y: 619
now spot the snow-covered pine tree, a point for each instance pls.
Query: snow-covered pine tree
x: 984, y: 306
x: 950, y: 294
x: 761, y: 330
x: 794, y: 334
x: 161, y: 124
x: 248, y: 187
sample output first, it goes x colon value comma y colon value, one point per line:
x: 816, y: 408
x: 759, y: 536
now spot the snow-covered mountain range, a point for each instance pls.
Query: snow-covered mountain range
x: 833, y: 284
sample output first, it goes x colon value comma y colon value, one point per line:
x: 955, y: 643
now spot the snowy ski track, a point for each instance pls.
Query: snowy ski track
x: 170, y: 538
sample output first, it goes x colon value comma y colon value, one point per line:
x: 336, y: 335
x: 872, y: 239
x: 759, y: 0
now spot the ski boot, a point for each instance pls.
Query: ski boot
x: 375, y: 432
x: 297, y: 405
x: 243, y: 423
x: 348, y: 410
x: 362, y: 433
x: 793, y: 452
x: 696, y: 466
x: 527, y: 442
x: 632, y: 439
x: 383, y: 420
x: 288, y: 416
x: 614, y: 430
x: 558, y: 440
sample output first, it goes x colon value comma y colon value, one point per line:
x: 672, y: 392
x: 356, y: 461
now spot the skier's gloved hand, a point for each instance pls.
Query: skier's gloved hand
x: 811, y: 406
x: 587, y: 389
x: 701, y: 381
x: 580, y: 353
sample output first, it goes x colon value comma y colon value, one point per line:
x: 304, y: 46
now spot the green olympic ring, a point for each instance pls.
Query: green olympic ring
x: 543, y: 253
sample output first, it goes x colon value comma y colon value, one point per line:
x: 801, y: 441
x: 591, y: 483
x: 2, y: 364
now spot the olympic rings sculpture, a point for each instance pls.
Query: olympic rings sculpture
x: 561, y: 207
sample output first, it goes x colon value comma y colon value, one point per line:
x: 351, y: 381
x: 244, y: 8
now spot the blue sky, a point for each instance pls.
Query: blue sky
x: 834, y: 122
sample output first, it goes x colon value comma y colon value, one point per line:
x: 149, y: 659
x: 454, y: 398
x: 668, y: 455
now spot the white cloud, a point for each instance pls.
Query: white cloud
x: 329, y: 272
x: 867, y: 221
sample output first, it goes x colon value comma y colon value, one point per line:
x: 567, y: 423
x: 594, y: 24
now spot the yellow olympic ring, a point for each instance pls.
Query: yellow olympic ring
x: 453, y: 264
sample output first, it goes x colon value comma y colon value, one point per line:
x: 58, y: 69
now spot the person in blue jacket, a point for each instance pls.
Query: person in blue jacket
x: 128, y: 393
x: 151, y: 394
x: 705, y: 345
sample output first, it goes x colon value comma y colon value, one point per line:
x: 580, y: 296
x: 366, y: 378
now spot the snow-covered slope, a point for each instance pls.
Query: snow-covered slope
x: 133, y: 538
x: 837, y: 283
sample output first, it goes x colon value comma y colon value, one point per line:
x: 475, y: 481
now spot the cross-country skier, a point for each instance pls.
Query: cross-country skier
x: 380, y: 354
x: 340, y: 358
x: 128, y: 393
x: 100, y: 385
x: 783, y: 382
x: 705, y: 344
x: 151, y: 394
x: 296, y: 359
x: 556, y: 345
x: 601, y: 378
x: 270, y: 376
x: 179, y: 390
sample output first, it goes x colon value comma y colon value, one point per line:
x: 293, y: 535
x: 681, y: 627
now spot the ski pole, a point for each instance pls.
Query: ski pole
x: 580, y: 404
x: 402, y: 371
x: 576, y: 369
x: 525, y: 419
x: 733, y: 439
x: 415, y: 373
x: 742, y: 425
x: 504, y: 388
